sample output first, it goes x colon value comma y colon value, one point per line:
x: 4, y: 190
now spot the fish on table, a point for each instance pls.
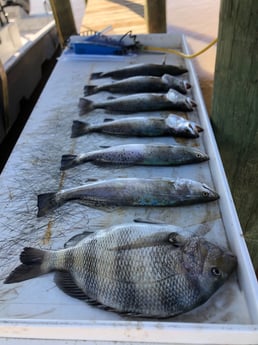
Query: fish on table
x: 141, y: 69
x: 172, y: 100
x: 137, y: 154
x: 141, y: 126
x: 121, y: 192
x: 141, y: 270
x: 139, y: 84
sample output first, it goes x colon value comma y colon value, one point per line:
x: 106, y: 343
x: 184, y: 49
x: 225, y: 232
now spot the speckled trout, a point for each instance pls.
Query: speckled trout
x: 137, y: 154
x: 172, y: 100
x: 141, y: 69
x: 141, y: 270
x: 141, y: 84
x: 141, y: 126
x: 130, y: 192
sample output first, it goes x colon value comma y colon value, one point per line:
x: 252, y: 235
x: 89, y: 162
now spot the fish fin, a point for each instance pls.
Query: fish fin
x: 68, y: 161
x: 66, y: 283
x: 85, y: 106
x: 89, y: 90
x: 148, y: 221
x: 155, y: 239
x: 46, y: 202
x: 91, y: 179
x: 95, y: 75
x: 108, y: 119
x: 31, y: 259
x: 104, y: 146
x: 176, y: 239
x: 73, y: 241
x: 111, y: 97
x: 79, y: 128
x: 164, y: 60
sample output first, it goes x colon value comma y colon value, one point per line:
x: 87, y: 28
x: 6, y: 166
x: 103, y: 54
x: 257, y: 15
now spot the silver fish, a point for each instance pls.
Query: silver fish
x: 172, y: 100
x: 140, y: 84
x: 130, y: 192
x: 141, y: 126
x: 141, y: 69
x: 141, y: 270
x: 137, y: 154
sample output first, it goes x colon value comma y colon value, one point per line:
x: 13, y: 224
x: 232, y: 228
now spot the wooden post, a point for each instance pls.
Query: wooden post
x: 155, y: 16
x: 64, y: 19
x: 235, y: 110
x: 5, y: 97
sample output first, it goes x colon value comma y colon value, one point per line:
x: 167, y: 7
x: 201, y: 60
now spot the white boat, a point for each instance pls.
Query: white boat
x: 27, y: 42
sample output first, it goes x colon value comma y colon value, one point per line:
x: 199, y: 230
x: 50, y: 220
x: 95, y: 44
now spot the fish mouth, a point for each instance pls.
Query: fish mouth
x: 190, y: 103
x: 210, y: 193
x: 204, y: 157
x: 187, y: 85
x: 194, y: 129
x: 198, y: 128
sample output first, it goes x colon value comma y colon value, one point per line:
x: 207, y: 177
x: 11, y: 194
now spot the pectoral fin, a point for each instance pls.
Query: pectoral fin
x: 155, y: 239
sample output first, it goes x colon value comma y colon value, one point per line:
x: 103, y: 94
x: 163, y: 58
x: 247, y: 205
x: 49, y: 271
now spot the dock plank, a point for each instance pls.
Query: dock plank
x: 122, y: 15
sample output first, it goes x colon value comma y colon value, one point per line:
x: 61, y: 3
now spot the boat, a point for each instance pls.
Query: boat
x: 28, y: 42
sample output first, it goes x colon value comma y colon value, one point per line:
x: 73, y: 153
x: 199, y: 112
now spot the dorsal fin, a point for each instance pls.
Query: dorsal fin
x: 73, y: 241
x: 164, y: 60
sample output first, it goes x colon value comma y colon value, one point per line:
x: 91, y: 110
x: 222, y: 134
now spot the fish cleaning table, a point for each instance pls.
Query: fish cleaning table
x: 36, y: 311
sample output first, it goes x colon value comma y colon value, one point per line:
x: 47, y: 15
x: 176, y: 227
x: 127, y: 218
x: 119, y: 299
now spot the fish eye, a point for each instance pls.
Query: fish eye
x: 198, y: 155
x: 205, y: 194
x: 215, y: 271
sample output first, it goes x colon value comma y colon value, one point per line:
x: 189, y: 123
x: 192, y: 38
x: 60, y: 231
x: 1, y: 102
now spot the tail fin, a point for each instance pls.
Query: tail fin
x: 89, y: 90
x: 79, y: 128
x: 31, y: 266
x: 46, y: 203
x: 96, y: 75
x: 85, y: 106
x: 68, y: 161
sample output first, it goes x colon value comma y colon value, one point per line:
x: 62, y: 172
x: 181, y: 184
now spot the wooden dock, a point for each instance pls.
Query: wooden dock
x: 125, y: 15
x: 122, y: 15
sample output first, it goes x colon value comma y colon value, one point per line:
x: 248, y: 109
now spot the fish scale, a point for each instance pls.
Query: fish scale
x: 137, y: 154
x: 158, y: 192
x: 138, y: 84
x: 141, y: 102
x: 138, y: 269
x: 141, y: 126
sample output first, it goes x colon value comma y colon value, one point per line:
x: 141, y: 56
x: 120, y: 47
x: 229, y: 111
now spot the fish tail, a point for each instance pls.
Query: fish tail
x: 79, y: 128
x: 85, y: 106
x: 89, y: 90
x: 68, y: 161
x: 31, y: 267
x: 46, y: 203
x: 95, y: 75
